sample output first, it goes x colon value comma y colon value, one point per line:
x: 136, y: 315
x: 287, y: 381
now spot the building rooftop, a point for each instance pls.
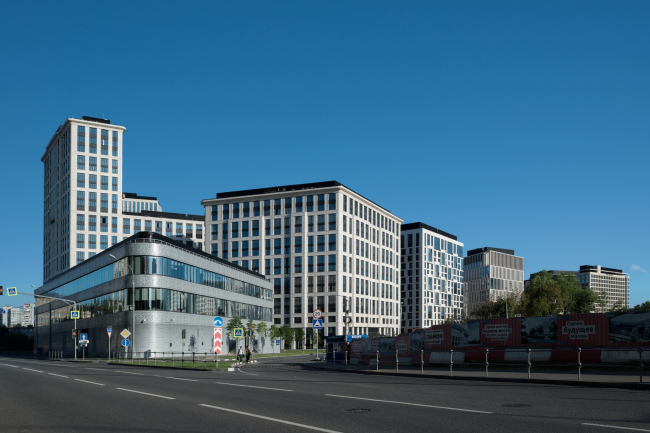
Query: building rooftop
x: 418, y: 225
x: 178, y: 216
x: 589, y: 268
x: 486, y: 249
x: 96, y: 119
x: 133, y: 195
x: 290, y: 188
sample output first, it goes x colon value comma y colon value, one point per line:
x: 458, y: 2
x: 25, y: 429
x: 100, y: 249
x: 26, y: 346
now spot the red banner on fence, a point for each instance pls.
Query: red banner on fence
x: 582, y: 330
x: 500, y: 332
x: 437, y: 337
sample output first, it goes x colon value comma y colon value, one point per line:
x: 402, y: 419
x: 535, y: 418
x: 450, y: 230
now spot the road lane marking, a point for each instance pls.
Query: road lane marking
x: 9, y: 365
x: 100, y: 369
x: 615, y: 426
x: 270, y: 419
x: 127, y: 372
x: 58, y: 375
x: 146, y: 393
x: 31, y: 370
x: 251, y: 386
x: 239, y: 369
x: 87, y: 381
x: 180, y: 378
x: 409, y: 404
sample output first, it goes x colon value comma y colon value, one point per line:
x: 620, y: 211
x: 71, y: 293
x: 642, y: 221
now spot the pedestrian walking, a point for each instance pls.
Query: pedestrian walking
x: 240, y: 354
x: 248, y: 354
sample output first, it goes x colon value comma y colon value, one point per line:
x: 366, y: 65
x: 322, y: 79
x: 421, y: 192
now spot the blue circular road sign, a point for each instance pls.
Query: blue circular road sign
x: 218, y: 322
x: 125, y: 343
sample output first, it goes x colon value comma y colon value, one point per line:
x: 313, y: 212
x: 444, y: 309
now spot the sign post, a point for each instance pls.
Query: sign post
x: 317, y: 324
x: 109, y: 330
x: 125, y: 342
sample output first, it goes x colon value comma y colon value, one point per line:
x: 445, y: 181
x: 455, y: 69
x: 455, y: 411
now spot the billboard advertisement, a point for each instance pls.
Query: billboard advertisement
x: 538, y: 330
x: 633, y: 327
x: 582, y: 329
x: 403, y: 343
x: 500, y: 332
x: 464, y: 334
x: 417, y: 340
x: 386, y: 345
x: 437, y: 337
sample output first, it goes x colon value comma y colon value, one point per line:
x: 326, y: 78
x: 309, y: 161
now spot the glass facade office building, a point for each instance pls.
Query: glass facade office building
x: 178, y: 291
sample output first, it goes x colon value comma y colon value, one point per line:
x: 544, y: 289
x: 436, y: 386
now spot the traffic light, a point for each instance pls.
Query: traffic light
x: 1, y: 291
x: 74, y: 333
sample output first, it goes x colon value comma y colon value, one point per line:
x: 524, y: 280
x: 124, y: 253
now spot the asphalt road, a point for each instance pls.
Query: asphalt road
x: 49, y: 396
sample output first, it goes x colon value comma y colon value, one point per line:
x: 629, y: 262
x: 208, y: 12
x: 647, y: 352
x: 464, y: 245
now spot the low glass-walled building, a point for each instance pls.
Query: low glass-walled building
x: 178, y: 291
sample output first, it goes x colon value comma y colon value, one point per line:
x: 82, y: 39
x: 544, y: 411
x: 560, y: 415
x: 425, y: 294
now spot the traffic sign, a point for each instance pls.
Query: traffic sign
x: 83, y: 343
x: 277, y: 342
x: 110, y: 331
x: 83, y: 337
x: 74, y: 314
x: 217, y: 341
x: 125, y: 333
x: 317, y: 324
x: 217, y: 322
x: 3, y: 311
x: 239, y: 332
x: 12, y: 291
x: 125, y: 343
x: 318, y: 314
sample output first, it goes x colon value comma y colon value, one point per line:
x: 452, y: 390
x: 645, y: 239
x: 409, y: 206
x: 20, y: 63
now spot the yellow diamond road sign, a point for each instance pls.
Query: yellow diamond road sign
x: 125, y: 333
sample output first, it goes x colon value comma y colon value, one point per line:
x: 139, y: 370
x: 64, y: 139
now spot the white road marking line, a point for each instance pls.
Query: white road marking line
x: 270, y: 419
x: 87, y: 381
x: 239, y: 369
x: 58, y: 375
x: 146, y: 393
x: 615, y: 426
x: 9, y: 365
x: 180, y: 378
x: 127, y: 372
x: 251, y: 386
x: 31, y: 370
x: 100, y: 369
x: 409, y: 404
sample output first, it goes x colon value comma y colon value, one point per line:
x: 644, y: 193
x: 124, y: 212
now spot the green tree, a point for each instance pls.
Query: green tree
x: 287, y: 333
x: 642, y: 307
x: 233, y: 324
x: 549, y: 294
x: 298, y: 336
x: 262, y: 332
x: 274, y: 332
x: 251, y: 328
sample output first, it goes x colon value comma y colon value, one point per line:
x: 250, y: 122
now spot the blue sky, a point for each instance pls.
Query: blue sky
x: 518, y: 125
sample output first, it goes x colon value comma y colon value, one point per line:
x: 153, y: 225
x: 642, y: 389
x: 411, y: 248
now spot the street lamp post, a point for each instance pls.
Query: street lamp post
x: 58, y: 299
x: 133, y: 309
x: 506, y: 299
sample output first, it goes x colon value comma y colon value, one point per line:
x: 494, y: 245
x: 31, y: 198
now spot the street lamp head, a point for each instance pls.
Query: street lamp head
x: 34, y: 286
x: 113, y: 256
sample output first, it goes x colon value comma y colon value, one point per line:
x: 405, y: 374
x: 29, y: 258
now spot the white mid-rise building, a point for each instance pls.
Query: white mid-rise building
x: 432, y: 276
x: 28, y: 315
x: 490, y: 274
x: 11, y: 316
x: 320, y: 244
x: 84, y: 208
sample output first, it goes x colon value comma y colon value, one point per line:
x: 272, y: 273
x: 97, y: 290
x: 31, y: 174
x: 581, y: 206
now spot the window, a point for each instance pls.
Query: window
x: 345, y: 203
x: 297, y: 265
x: 321, y: 223
x: 215, y: 232
x: 80, y: 222
x: 247, y: 210
x: 298, y: 204
x: 114, y: 203
x: 80, y: 256
x: 277, y: 246
x: 126, y: 226
x: 92, y: 181
x: 267, y: 247
x: 256, y: 208
x: 81, y: 180
x: 92, y: 241
x: 277, y: 207
x: 345, y: 223
x: 244, y: 229
x: 114, y: 143
x: 287, y: 205
x: 297, y: 244
x: 104, y: 202
x: 332, y: 242
x: 320, y: 264
x: 224, y: 231
x: 310, y: 264
x: 255, y: 266
x: 287, y: 225
x: 277, y: 266
x: 224, y: 250
x: 244, y: 249
x: 332, y: 222
x: 114, y: 162
x: 235, y: 249
x: 137, y: 226
x: 92, y: 200
x: 226, y: 211
x: 81, y: 200
x: 103, y: 242
x: 114, y: 227
x: 80, y: 240
x: 345, y: 246
x: 310, y: 203
x: 92, y: 163
x: 267, y: 227
x: 320, y: 287
x: 267, y: 207
x: 256, y: 248
x: 235, y: 230
x: 332, y: 202
x: 104, y: 167
x: 310, y: 244
x: 298, y: 224
x: 310, y: 223
x: 215, y: 213
x: 287, y: 245
x: 81, y: 162
x: 277, y: 226
x: 320, y: 243
x: 321, y: 201
x: 235, y: 210
x: 297, y: 283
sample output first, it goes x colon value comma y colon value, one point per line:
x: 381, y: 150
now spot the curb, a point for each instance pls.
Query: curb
x: 628, y: 386
x: 171, y: 368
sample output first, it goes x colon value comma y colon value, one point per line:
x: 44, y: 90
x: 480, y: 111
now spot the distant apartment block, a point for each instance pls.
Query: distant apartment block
x: 491, y: 273
x: 432, y: 276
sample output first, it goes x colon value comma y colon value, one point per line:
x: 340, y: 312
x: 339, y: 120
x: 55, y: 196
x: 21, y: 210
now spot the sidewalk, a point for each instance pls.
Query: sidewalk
x: 621, y: 379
